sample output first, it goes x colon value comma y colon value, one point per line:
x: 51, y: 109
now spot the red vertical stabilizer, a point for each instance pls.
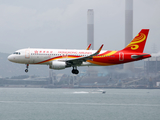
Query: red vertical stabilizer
x: 138, y: 43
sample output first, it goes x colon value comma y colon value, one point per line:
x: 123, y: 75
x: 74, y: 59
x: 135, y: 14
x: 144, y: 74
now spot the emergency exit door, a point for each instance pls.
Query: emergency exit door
x: 121, y: 56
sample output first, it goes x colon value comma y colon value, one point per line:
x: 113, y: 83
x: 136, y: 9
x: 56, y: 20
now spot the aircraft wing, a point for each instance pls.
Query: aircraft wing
x: 79, y: 60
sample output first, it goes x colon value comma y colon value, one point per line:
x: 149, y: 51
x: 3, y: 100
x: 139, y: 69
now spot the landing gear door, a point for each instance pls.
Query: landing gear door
x: 121, y: 56
x: 27, y: 54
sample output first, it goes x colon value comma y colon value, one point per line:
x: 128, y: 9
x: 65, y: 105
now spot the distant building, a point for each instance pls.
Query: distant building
x: 152, y: 65
x: 93, y: 82
x: 128, y: 30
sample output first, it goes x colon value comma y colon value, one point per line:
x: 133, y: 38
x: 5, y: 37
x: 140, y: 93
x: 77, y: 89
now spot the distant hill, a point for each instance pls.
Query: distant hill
x: 8, y: 69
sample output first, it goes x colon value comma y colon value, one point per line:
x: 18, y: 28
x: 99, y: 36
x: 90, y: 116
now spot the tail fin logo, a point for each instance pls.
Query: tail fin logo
x: 138, y: 39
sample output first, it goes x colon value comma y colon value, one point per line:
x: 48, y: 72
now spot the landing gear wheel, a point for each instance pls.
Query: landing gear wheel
x: 26, y: 70
x: 75, y: 71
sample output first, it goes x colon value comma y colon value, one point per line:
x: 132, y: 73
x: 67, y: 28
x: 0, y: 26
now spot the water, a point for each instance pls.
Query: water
x: 79, y: 104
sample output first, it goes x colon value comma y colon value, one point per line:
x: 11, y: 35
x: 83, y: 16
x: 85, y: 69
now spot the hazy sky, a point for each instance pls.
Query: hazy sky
x: 63, y: 23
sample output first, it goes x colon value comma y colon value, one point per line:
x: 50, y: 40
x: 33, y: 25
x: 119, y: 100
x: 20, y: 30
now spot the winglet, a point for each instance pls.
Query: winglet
x: 98, y: 51
x: 88, y: 47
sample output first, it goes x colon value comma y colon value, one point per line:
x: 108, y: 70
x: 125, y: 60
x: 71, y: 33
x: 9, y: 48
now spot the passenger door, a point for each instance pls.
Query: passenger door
x: 27, y: 54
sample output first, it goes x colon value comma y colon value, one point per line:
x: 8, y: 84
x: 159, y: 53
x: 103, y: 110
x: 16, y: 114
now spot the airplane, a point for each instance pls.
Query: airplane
x: 63, y: 58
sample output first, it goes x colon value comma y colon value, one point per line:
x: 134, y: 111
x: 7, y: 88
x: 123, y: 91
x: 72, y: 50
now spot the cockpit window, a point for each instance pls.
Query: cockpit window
x: 18, y: 53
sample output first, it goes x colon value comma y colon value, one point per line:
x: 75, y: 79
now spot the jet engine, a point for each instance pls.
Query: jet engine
x: 57, y: 65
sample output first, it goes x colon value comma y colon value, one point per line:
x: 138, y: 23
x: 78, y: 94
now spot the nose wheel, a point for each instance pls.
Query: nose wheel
x: 75, y: 71
x: 26, y: 70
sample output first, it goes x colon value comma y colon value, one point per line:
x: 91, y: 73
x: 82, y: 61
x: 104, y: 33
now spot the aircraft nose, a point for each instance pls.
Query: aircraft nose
x: 11, y: 58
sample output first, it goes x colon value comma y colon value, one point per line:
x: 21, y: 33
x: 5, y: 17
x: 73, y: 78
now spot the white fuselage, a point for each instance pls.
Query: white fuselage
x: 46, y: 56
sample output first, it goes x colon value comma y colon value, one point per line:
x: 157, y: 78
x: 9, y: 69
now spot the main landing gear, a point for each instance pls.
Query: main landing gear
x: 26, y: 70
x: 75, y: 71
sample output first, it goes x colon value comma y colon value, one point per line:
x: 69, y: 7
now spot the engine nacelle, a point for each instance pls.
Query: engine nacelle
x: 57, y: 65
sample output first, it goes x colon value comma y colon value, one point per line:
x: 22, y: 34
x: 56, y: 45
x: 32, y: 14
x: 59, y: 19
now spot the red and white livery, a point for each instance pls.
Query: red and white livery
x: 60, y: 58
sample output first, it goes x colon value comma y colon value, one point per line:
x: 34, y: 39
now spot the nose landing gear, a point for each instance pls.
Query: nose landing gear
x: 75, y: 71
x: 26, y: 70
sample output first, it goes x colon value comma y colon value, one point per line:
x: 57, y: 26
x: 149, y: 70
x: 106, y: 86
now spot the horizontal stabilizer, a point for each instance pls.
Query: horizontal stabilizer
x: 138, y: 56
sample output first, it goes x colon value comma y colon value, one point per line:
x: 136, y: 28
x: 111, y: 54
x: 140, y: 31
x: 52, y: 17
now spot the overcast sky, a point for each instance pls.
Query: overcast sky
x: 63, y: 23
